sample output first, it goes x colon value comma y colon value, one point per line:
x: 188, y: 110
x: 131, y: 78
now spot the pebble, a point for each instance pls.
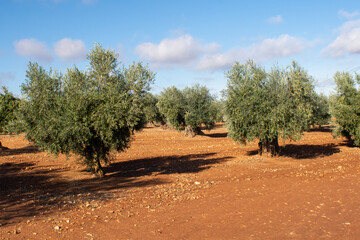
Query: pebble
x: 57, y: 228
x: 197, y: 183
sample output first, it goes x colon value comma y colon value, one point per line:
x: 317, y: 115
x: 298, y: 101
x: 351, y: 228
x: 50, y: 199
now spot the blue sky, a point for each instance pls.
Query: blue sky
x: 184, y: 42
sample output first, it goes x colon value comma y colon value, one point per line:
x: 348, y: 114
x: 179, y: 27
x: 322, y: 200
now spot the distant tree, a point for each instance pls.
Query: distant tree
x: 8, y: 106
x: 86, y: 113
x: 220, y: 110
x: 188, y: 109
x: 321, y: 110
x: 345, y: 106
x: 268, y: 106
x: 151, y: 111
x: 199, y: 109
x: 172, y: 105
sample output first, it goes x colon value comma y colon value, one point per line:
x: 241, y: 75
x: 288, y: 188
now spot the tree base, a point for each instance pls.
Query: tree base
x: 269, y: 148
x: 99, y: 171
x: 190, y: 132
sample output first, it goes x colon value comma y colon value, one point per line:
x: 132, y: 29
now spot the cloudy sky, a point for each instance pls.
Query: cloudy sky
x: 184, y: 42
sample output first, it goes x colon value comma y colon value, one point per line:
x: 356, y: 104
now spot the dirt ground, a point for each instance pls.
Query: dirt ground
x: 167, y: 186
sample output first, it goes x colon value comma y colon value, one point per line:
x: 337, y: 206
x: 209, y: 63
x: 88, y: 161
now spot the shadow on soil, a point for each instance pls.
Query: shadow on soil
x: 27, y: 190
x: 349, y: 143
x: 192, y: 163
x: 328, y: 129
x: 18, y: 151
x: 305, y: 151
x: 308, y: 151
x: 217, y: 135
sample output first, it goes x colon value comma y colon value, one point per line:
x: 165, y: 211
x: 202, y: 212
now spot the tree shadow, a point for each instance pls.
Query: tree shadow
x: 25, y: 194
x: 328, y: 129
x: 19, y: 151
x: 252, y: 152
x: 304, y: 151
x: 349, y: 143
x: 27, y: 191
x: 19, y: 191
x: 192, y: 163
x: 217, y: 135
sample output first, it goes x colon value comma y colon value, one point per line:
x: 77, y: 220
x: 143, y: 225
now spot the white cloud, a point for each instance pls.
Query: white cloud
x: 276, y: 19
x: 282, y: 46
x: 348, y: 15
x: 211, y: 48
x: 348, y: 41
x: 189, y: 52
x: 218, y: 61
x: 33, y: 48
x: 70, y: 50
x: 176, y: 51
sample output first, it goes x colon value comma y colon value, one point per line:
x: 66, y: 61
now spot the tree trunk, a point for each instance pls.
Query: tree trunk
x: 190, y: 132
x: 99, y: 171
x: 269, y: 147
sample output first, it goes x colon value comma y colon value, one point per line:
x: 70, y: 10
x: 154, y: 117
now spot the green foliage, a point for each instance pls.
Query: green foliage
x: 8, y: 106
x: 190, y: 107
x: 321, y: 110
x: 268, y: 106
x: 172, y: 105
x: 345, y: 106
x: 87, y: 113
x: 220, y: 110
x: 199, y: 107
x: 151, y: 111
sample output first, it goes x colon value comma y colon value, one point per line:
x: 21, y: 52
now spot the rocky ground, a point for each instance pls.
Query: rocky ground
x: 167, y: 186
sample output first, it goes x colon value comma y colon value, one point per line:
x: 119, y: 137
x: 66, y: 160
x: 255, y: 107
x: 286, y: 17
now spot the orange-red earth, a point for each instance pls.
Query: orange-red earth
x: 167, y: 186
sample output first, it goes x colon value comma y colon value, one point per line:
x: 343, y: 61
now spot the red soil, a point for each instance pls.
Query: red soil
x: 167, y: 186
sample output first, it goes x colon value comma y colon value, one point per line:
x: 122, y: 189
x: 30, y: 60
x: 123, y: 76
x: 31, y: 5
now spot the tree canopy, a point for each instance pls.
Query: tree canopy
x: 87, y: 113
x: 188, y: 108
x: 345, y: 106
x: 321, y: 110
x: 8, y: 106
x: 151, y: 111
x: 268, y: 106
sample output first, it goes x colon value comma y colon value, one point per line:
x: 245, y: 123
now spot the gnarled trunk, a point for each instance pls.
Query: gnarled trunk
x: 269, y: 147
x: 190, y: 132
x: 99, y: 171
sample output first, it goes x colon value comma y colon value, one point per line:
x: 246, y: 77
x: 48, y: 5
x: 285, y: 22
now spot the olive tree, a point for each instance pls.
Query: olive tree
x: 200, y: 109
x: 172, y: 105
x: 220, y: 110
x: 151, y: 111
x: 321, y: 110
x: 267, y: 106
x: 188, y: 109
x: 345, y: 106
x: 8, y: 106
x: 87, y: 113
